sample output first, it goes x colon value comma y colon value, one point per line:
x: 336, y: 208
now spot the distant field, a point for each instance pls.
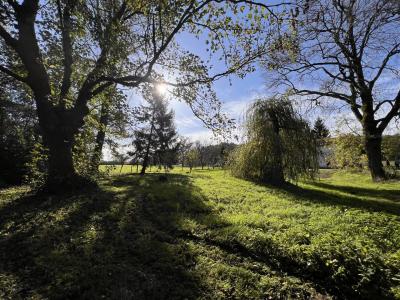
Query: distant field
x: 204, y: 235
x: 133, y: 169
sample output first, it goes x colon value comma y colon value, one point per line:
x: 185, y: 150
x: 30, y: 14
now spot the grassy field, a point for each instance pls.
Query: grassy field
x: 203, y: 235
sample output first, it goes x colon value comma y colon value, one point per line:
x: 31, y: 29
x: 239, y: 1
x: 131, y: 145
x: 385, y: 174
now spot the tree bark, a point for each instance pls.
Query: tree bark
x: 61, y: 176
x: 373, y: 149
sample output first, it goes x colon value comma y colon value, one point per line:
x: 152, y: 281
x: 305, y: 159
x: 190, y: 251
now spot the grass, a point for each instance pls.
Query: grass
x: 203, y: 235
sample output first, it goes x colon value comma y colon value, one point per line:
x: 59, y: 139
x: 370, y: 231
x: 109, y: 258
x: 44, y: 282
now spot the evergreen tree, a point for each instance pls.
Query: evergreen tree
x: 320, y: 130
x: 156, y: 139
x: 167, y: 142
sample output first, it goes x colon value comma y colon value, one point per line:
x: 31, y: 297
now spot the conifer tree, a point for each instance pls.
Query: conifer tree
x: 156, y: 139
x: 320, y: 130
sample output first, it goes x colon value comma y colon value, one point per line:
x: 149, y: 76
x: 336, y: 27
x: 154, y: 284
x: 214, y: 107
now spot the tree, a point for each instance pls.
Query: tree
x: 349, y: 50
x: 69, y: 51
x: 120, y: 156
x: 192, y: 157
x: 145, y: 138
x: 320, y: 130
x: 391, y: 146
x: 110, y: 119
x: 280, y: 145
x: 225, y: 151
x: 214, y: 155
x: 167, y: 139
x: 157, y: 138
x: 186, y: 145
x: 201, y: 153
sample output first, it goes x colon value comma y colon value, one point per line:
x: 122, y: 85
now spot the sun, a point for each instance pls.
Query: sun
x: 162, y: 89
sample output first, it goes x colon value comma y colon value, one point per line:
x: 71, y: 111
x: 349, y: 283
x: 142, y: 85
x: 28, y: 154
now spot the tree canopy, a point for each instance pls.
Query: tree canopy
x: 280, y: 145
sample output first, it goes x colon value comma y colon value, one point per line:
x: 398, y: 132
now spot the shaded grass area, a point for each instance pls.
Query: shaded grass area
x: 203, y: 235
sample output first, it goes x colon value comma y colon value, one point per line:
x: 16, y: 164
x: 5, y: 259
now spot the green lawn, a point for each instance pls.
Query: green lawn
x: 203, y: 235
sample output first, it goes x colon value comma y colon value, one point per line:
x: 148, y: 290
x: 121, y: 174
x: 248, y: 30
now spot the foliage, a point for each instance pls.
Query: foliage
x: 185, y: 146
x: 109, y: 120
x: 213, y: 155
x: 391, y: 146
x: 280, y: 145
x: 321, y: 131
x: 348, y: 151
x: 192, y: 157
x: 205, y: 235
x: 155, y: 138
x: 84, y: 148
x: 36, y: 166
x: 18, y: 131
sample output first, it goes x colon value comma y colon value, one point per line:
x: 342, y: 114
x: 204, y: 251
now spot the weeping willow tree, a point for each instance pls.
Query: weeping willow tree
x: 280, y: 145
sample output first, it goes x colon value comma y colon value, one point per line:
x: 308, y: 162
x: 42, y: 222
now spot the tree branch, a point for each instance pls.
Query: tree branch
x: 381, y: 103
x: 395, y: 50
x: 65, y: 25
x: 12, y: 74
x: 391, y: 114
x: 10, y: 41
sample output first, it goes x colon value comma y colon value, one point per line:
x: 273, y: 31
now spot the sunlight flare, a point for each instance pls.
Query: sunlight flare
x: 162, y: 89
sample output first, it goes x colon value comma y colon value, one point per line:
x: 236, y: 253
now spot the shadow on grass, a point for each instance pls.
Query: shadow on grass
x: 381, y: 200
x: 117, y: 242
x: 384, y: 194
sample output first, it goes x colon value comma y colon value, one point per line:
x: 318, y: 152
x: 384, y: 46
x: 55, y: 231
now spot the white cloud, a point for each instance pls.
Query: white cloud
x: 204, y: 136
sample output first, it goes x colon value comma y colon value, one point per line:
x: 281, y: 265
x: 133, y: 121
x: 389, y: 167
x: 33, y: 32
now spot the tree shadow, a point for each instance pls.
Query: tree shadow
x: 122, y: 241
x: 381, y: 200
x: 385, y: 194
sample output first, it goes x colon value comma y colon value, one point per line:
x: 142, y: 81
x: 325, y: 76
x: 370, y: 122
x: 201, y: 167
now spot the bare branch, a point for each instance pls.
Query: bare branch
x: 395, y: 50
x: 391, y: 114
x: 378, y: 106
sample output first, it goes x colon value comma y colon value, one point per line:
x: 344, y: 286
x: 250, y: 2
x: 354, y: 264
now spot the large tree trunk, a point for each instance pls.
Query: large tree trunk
x: 59, y: 127
x: 373, y: 149
x: 58, y: 124
x: 61, y: 175
x: 60, y: 159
